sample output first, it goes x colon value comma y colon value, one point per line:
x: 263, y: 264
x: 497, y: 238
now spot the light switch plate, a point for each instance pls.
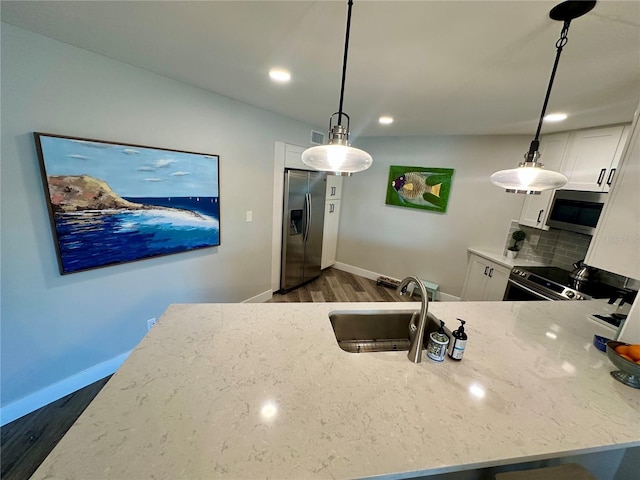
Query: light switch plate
x: 249, y: 216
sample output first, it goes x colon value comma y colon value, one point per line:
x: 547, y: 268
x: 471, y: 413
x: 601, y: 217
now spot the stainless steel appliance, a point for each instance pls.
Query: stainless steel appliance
x: 552, y: 283
x: 303, y: 221
x: 581, y: 273
x: 576, y: 211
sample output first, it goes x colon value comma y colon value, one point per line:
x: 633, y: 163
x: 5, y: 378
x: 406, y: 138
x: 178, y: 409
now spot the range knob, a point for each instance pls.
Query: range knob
x: 570, y: 294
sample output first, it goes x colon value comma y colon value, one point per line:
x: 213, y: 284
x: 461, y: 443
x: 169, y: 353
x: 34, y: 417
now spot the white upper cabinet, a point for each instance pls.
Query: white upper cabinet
x: 592, y: 159
x: 334, y: 187
x: 293, y: 157
x: 616, y: 244
x: 536, y: 207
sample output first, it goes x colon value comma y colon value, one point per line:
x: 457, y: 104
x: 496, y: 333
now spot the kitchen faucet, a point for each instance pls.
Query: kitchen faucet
x: 416, y: 332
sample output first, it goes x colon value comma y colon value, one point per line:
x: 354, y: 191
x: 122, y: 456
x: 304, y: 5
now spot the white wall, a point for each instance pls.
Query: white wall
x: 53, y: 326
x: 398, y: 241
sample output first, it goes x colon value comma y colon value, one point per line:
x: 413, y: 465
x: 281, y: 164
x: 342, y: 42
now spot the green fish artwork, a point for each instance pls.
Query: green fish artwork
x: 418, y: 187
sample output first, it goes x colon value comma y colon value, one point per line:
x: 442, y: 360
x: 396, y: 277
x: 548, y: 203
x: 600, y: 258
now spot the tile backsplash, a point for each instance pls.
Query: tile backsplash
x: 555, y: 247
x: 561, y: 248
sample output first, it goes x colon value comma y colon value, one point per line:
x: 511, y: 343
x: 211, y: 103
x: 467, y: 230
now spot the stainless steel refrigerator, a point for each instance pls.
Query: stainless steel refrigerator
x: 303, y: 221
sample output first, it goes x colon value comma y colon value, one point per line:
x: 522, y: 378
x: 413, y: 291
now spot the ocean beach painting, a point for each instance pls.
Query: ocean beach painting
x: 112, y: 203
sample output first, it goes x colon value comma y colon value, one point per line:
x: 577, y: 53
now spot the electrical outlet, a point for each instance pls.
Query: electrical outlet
x: 150, y: 323
x: 533, y: 240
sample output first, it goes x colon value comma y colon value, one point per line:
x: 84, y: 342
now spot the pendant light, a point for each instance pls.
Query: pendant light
x: 530, y: 177
x: 338, y: 157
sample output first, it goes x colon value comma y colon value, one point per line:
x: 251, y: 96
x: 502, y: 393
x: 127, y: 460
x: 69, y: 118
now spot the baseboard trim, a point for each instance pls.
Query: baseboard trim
x: 260, y: 298
x: 441, y: 297
x: 34, y: 401
x: 359, y: 271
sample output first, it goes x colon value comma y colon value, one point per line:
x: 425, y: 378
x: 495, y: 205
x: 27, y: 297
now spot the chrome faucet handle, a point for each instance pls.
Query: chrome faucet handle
x: 413, y: 327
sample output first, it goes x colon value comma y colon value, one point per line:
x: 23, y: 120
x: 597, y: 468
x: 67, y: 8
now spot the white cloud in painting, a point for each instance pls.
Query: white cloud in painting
x: 89, y: 143
x: 154, y: 180
x: 146, y: 169
x: 130, y: 151
x: 77, y: 156
x: 162, y: 163
x: 180, y: 174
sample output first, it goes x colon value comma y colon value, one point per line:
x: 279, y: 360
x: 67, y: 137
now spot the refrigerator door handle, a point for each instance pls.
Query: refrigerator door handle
x: 307, y: 214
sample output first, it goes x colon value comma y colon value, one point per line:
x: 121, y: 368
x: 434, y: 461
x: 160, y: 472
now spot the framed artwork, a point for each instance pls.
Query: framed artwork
x: 112, y: 203
x: 418, y: 187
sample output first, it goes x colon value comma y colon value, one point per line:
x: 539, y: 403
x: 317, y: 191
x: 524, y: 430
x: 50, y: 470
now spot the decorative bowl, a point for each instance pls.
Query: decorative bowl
x: 629, y: 372
x: 600, y: 342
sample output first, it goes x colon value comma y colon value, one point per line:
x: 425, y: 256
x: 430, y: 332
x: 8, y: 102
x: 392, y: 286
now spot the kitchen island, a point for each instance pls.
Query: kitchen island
x: 263, y: 391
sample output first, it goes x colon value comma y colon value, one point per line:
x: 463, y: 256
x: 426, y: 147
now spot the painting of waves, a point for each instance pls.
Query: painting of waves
x: 114, y: 203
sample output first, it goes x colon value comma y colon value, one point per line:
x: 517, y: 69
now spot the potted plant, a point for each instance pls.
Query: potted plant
x: 518, y: 236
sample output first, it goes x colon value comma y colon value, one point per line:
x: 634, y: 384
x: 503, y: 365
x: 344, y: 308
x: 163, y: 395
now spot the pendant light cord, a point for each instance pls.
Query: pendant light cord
x: 562, y: 41
x: 344, y: 61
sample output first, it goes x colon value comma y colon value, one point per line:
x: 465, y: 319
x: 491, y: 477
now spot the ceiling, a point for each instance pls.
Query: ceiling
x: 437, y: 67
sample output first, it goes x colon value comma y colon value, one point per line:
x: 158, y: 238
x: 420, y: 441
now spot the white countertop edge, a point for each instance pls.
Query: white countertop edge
x: 501, y: 462
x: 501, y: 259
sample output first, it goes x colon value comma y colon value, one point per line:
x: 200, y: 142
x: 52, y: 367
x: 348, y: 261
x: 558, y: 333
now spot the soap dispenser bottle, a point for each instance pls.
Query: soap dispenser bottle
x: 437, y: 346
x: 458, y: 342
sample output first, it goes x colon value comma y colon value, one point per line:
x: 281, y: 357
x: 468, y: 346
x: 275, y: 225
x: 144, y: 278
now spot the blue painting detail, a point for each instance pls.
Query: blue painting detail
x: 113, y: 203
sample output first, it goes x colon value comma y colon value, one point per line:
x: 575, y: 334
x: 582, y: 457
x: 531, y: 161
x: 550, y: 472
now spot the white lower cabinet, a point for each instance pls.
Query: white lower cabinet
x: 330, y: 233
x: 485, y: 280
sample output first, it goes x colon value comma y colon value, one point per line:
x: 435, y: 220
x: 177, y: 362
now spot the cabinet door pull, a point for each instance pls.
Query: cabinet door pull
x: 601, y: 176
x: 539, y: 215
x: 491, y: 272
x: 611, y: 174
x: 485, y: 269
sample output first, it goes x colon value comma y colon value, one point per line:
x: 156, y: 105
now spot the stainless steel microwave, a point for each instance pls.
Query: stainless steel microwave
x: 576, y: 211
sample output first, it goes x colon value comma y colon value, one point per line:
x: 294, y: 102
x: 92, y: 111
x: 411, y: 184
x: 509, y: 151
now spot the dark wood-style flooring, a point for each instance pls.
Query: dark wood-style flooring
x: 338, y: 286
x: 27, y: 441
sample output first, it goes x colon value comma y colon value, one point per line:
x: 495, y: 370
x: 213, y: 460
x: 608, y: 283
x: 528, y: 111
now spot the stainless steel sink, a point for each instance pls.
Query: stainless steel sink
x: 377, y: 331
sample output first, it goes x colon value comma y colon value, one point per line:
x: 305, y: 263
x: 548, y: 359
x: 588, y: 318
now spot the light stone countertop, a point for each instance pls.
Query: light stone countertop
x: 263, y: 391
x: 503, y: 260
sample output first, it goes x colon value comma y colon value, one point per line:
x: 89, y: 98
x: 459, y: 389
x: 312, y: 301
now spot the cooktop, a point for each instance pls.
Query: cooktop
x: 546, y: 277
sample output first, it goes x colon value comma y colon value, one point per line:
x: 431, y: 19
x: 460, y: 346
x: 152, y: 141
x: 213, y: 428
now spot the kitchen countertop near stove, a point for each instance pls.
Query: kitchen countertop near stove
x: 263, y: 391
x: 501, y: 259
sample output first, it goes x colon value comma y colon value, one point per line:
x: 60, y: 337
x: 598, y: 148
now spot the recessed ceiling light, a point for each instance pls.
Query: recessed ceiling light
x: 555, y: 117
x: 280, y: 75
x: 385, y: 120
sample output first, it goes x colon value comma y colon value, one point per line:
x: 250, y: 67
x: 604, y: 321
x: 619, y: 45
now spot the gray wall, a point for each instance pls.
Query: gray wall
x: 56, y: 326
x: 400, y: 241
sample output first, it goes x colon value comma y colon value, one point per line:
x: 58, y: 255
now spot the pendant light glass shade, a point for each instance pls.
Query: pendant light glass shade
x: 530, y: 177
x: 529, y: 180
x: 338, y: 157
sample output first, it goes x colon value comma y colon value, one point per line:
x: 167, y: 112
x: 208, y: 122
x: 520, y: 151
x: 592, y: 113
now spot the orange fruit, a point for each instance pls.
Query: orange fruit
x: 627, y: 357
x: 634, y: 351
x: 622, y: 349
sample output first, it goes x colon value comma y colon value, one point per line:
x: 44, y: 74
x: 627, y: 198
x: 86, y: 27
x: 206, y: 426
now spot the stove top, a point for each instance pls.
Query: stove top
x: 557, y: 281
